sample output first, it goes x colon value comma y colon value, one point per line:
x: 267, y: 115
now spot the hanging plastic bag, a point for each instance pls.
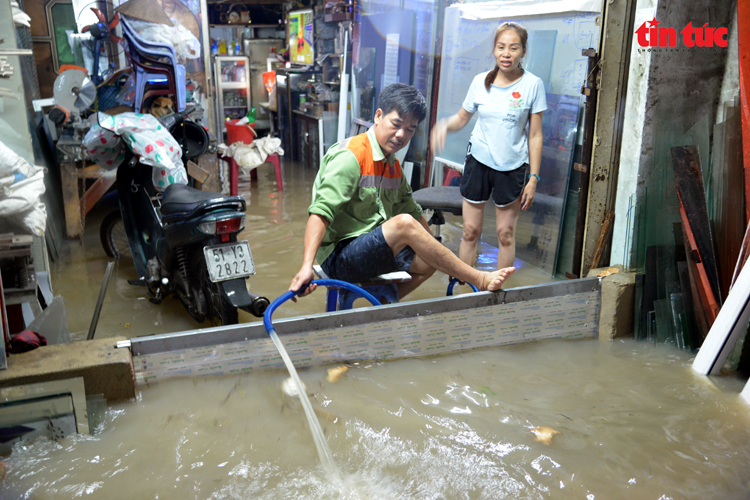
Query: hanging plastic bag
x: 145, y: 136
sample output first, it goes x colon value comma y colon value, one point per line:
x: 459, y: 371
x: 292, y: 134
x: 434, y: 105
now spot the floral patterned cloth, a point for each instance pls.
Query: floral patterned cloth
x: 108, y: 137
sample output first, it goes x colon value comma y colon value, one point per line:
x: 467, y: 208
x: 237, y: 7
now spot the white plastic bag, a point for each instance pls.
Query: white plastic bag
x: 251, y: 156
x: 145, y: 136
x: 21, y: 188
x: 186, y: 46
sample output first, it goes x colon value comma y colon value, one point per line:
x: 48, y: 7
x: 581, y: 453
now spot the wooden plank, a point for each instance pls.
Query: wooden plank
x: 743, y: 42
x: 97, y: 190
x: 210, y: 164
x: 91, y: 172
x: 698, y: 273
x: 689, y: 181
x: 603, y: 238
x: 197, y: 172
x: 71, y: 200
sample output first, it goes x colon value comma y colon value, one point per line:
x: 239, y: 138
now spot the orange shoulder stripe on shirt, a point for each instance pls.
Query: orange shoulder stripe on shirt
x: 360, y: 146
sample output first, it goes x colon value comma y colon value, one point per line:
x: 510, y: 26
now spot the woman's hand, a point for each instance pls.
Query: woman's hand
x: 437, y: 136
x: 451, y: 124
x: 527, y: 198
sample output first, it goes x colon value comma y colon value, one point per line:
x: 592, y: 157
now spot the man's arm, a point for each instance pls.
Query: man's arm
x: 314, y: 233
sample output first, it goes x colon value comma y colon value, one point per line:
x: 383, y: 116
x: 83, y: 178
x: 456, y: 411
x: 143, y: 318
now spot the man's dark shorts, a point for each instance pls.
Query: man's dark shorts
x: 359, y: 259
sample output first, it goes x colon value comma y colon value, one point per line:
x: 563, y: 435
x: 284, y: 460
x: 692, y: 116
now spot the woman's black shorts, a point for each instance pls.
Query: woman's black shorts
x: 479, y: 181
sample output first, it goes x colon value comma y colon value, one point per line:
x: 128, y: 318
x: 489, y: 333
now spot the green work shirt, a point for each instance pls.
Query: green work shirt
x: 357, y: 189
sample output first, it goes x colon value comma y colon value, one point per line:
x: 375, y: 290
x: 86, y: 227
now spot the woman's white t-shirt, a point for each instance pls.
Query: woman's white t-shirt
x: 499, y: 139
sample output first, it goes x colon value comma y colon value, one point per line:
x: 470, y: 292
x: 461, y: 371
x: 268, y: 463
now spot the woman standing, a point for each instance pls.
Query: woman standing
x: 501, y: 151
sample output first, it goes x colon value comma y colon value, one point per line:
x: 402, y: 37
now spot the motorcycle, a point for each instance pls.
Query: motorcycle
x: 183, y: 241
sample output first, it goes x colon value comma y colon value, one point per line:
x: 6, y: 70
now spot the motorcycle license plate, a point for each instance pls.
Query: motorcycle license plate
x: 229, y: 261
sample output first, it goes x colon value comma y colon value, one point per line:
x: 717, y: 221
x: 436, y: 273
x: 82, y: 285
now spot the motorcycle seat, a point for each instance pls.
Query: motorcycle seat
x: 181, y: 202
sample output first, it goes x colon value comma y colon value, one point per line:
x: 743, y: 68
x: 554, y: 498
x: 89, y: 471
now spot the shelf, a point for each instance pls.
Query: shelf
x: 233, y: 85
x: 235, y: 107
x: 249, y: 25
x: 339, y: 16
x: 307, y: 115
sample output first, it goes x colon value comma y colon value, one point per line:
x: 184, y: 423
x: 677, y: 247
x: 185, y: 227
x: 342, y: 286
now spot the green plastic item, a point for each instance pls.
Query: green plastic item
x: 251, y: 115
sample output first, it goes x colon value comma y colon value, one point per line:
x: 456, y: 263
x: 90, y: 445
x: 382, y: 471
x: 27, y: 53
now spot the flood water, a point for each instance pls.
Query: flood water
x: 633, y: 422
x: 275, y: 228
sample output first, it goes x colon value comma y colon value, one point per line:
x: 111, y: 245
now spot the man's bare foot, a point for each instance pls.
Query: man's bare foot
x: 493, y: 281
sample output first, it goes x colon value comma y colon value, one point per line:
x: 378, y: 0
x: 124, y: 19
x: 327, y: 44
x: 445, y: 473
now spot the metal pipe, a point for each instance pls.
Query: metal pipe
x: 100, y: 300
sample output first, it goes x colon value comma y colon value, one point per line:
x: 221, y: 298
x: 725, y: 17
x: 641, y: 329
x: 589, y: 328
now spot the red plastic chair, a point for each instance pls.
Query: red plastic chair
x: 234, y: 172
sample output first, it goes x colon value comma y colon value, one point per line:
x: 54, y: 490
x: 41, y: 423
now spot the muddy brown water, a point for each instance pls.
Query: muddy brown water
x: 275, y: 228
x: 633, y: 420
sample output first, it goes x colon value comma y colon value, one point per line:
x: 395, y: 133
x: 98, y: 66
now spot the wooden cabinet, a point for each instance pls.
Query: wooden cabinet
x: 310, y: 130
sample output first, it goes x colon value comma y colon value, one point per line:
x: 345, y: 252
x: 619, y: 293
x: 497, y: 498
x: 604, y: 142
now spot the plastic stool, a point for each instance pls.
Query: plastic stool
x: 234, y: 172
x: 382, y: 287
x: 387, y: 294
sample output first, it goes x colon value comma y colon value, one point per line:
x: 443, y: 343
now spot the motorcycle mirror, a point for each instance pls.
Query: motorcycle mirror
x: 170, y: 120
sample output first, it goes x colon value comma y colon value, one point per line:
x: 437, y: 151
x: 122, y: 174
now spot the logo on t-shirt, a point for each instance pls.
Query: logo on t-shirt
x: 516, y: 102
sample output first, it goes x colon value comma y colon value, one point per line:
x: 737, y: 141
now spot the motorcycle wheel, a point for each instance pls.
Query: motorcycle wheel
x: 219, y: 310
x: 113, y: 236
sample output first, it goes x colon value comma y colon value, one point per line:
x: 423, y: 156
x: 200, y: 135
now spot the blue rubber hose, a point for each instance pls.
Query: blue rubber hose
x: 453, y: 282
x: 326, y: 282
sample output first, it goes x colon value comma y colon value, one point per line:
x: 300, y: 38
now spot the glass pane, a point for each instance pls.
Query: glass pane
x: 538, y: 229
x: 63, y: 19
x: 235, y: 98
x: 678, y: 316
x: 233, y: 71
x: 554, y: 55
x: 664, y: 322
x: 425, y: 17
x: 96, y: 407
x: 639, y: 330
x: 364, y: 74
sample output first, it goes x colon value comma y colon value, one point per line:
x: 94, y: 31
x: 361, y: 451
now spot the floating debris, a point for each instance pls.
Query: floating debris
x: 334, y: 374
x: 544, y: 434
x: 290, y: 388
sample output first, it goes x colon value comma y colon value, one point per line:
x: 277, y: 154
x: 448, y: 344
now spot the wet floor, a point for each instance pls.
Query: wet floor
x: 633, y: 422
x: 275, y: 228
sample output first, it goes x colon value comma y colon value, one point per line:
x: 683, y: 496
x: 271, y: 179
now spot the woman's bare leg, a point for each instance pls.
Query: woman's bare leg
x: 473, y: 214
x: 506, y: 219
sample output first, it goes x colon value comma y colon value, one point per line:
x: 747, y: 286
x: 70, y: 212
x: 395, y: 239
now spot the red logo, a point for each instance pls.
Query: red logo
x: 654, y: 36
x: 516, y: 95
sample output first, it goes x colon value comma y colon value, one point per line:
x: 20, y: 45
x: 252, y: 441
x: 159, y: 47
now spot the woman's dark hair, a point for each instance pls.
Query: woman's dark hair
x: 407, y: 100
x: 522, y: 34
